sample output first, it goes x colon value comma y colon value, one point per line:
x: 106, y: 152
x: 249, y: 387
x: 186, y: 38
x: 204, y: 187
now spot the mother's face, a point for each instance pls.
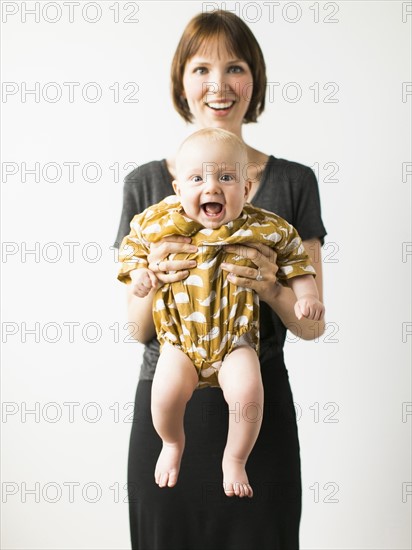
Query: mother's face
x: 218, y: 88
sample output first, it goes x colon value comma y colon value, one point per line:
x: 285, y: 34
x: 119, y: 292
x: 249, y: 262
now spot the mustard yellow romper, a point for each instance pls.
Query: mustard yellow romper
x: 206, y: 315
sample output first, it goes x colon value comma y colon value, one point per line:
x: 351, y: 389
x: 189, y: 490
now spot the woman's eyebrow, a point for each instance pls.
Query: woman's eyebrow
x: 198, y: 60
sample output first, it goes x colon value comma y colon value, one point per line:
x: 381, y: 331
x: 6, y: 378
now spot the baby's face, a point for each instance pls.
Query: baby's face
x: 210, y: 182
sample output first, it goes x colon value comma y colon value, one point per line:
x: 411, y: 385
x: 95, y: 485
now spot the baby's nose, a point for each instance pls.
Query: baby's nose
x: 212, y: 185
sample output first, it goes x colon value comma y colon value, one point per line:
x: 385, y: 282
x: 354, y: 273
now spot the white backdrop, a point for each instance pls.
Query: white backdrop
x: 85, y: 92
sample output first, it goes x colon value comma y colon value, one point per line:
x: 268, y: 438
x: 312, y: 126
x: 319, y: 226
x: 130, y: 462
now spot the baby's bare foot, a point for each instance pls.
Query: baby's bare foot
x: 168, y: 464
x: 235, y: 480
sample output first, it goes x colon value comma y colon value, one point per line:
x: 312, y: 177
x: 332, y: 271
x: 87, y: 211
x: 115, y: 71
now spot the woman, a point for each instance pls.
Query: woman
x: 218, y: 80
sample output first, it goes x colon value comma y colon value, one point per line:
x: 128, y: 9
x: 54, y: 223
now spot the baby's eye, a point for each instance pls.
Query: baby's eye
x: 226, y: 177
x: 196, y: 179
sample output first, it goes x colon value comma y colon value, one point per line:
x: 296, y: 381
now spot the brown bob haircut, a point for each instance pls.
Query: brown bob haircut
x: 227, y: 29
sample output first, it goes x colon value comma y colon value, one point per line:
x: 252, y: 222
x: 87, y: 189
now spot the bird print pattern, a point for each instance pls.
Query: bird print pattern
x: 205, y: 315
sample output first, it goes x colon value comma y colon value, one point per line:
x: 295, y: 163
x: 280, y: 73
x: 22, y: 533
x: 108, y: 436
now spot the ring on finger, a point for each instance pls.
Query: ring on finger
x: 259, y: 276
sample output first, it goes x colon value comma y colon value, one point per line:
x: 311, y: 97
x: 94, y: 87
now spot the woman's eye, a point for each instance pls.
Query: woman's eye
x: 236, y: 69
x: 200, y: 70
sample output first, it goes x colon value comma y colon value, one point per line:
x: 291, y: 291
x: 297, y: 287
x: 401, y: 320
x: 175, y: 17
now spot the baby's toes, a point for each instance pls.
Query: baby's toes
x: 229, y: 490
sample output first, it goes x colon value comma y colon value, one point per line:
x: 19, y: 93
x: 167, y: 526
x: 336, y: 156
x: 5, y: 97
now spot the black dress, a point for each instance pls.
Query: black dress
x: 196, y: 514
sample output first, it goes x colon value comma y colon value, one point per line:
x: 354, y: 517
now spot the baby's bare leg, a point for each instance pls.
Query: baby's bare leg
x: 173, y: 384
x: 241, y: 382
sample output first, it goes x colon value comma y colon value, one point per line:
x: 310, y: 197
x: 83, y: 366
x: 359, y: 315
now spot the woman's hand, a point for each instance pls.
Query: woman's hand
x: 166, y: 271
x: 170, y: 271
x: 264, y: 281
x: 263, y: 278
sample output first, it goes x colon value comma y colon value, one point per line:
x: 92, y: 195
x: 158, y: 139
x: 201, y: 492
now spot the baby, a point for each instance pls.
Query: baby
x: 208, y: 327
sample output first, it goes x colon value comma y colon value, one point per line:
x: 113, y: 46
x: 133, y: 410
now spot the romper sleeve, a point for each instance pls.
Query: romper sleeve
x: 292, y: 258
x: 133, y: 249
x: 148, y: 227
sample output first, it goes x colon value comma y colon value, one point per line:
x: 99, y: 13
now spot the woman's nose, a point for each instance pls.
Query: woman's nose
x: 218, y: 83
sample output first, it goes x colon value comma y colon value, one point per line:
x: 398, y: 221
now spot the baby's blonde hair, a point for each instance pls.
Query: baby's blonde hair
x: 215, y: 135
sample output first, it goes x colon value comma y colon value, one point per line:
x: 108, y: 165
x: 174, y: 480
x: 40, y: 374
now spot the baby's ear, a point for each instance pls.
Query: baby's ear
x: 248, y: 187
x: 176, y: 187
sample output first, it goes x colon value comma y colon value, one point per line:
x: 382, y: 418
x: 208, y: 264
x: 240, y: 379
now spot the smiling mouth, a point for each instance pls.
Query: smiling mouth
x: 212, y: 208
x: 220, y: 106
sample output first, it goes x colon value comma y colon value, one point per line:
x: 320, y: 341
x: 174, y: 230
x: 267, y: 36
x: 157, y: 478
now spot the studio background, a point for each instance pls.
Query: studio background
x: 339, y: 100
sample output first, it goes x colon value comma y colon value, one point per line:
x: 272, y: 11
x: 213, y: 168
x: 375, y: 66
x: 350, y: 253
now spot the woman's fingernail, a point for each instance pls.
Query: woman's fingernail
x: 224, y: 265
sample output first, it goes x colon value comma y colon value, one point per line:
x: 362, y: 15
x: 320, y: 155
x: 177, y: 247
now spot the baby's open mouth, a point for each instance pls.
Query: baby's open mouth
x: 212, y: 208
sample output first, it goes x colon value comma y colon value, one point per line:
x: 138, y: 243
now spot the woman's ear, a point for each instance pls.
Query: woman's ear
x: 183, y: 97
x: 176, y: 187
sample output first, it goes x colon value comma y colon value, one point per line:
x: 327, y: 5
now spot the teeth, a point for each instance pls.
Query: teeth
x: 221, y: 105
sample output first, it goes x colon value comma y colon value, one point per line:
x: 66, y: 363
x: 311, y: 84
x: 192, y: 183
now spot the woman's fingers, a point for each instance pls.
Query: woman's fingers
x: 263, y: 277
x: 172, y: 277
x: 236, y: 276
x: 264, y: 272
x: 242, y: 271
x: 264, y: 259
x: 160, y: 250
x: 170, y: 271
x: 162, y: 266
x: 258, y: 253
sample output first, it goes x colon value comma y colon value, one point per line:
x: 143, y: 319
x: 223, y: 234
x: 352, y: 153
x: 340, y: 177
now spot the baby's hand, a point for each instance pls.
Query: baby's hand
x: 143, y: 280
x: 310, y: 307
